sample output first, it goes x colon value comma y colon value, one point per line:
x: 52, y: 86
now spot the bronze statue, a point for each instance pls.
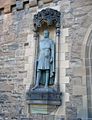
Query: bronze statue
x: 45, y: 62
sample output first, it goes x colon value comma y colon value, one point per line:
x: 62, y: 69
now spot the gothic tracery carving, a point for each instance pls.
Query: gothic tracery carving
x: 50, y: 16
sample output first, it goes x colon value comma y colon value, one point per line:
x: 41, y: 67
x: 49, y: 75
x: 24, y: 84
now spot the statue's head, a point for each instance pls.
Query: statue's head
x: 46, y: 33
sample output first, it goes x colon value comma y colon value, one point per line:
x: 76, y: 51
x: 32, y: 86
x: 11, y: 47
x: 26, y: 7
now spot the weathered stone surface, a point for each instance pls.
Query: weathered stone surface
x: 19, y: 5
x: 32, y: 3
x: 7, y: 9
x: 5, y: 2
x: 17, y: 56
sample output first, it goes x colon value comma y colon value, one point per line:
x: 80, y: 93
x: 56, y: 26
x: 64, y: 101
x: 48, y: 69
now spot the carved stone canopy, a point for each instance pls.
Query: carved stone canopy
x: 48, y: 15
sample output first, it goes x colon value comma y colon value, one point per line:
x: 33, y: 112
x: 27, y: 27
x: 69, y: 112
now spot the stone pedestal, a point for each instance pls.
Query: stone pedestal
x: 43, y: 100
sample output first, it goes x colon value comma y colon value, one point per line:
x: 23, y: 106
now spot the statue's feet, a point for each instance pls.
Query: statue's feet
x: 46, y: 87
x: 35, y: 87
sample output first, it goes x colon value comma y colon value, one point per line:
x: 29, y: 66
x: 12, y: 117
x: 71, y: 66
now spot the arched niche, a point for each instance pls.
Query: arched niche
x: 87, y: 77
x: 46, y: 19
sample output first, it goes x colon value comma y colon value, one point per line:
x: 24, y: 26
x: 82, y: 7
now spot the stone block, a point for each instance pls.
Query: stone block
x: 3, y: 98
x: 29, y: 52
x: 30, y: 74
x: 65, y: 32
x: 64, y: 64
x: 62, y: 72
x: 77, y: 80
x: 66, y: 6
x: 62, y: 89
x: 5, y: 2
x: 83, y: 80
x: 13, y: 2
x: 67, y: 97
x: 79, y: 71
x: 6, y: 87
x: 63, y: 80
x: 62, y: 39
x: 84, y: 88
x: 29, y: 79
x: 77, y: 90
x: 63, y: 47
x: 42, y: 109
x: 62, y: 56
x: 19, y: 5
x: 26, y: 66
x: 47, y: 1
x: 7, y: 9
x: 81, y: 11
x: 31, y: 60
x: 79, y: 3
x: 32, y: 3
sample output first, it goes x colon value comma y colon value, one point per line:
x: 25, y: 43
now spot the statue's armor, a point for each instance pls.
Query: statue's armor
x: 44, y: 54
x: 45, y: 65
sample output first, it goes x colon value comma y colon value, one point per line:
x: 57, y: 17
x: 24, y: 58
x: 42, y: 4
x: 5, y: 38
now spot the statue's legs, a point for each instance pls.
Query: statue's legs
x: 38, y: 79
x: 47, y: 78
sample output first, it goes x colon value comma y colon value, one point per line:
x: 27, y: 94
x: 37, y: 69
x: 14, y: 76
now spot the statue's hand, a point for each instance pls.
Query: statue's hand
x: 51, y: 60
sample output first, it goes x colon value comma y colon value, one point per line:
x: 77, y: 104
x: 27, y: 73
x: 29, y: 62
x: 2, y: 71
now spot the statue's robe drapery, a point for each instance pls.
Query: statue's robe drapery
x: 46, y: 59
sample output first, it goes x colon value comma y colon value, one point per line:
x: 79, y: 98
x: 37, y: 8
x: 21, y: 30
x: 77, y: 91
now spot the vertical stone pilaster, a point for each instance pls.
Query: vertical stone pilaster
x: 57, y: 56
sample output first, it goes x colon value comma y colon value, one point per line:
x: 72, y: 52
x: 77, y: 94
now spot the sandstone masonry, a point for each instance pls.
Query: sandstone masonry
x: 17, y: 57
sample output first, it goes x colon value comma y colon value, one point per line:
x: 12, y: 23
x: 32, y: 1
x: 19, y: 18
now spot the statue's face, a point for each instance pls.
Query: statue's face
x: 46, y: 34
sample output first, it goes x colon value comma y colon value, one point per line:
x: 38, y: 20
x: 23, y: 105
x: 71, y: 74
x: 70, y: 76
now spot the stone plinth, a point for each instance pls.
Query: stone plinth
x: 43, y: 100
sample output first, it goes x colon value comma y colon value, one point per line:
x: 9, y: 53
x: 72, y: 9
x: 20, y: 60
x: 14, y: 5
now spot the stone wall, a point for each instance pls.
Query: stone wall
x: 78, y: 19
x: 17, y: 57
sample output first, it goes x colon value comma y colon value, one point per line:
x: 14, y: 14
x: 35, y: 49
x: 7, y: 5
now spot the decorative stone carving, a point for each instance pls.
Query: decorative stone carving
x: 50, y: 16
